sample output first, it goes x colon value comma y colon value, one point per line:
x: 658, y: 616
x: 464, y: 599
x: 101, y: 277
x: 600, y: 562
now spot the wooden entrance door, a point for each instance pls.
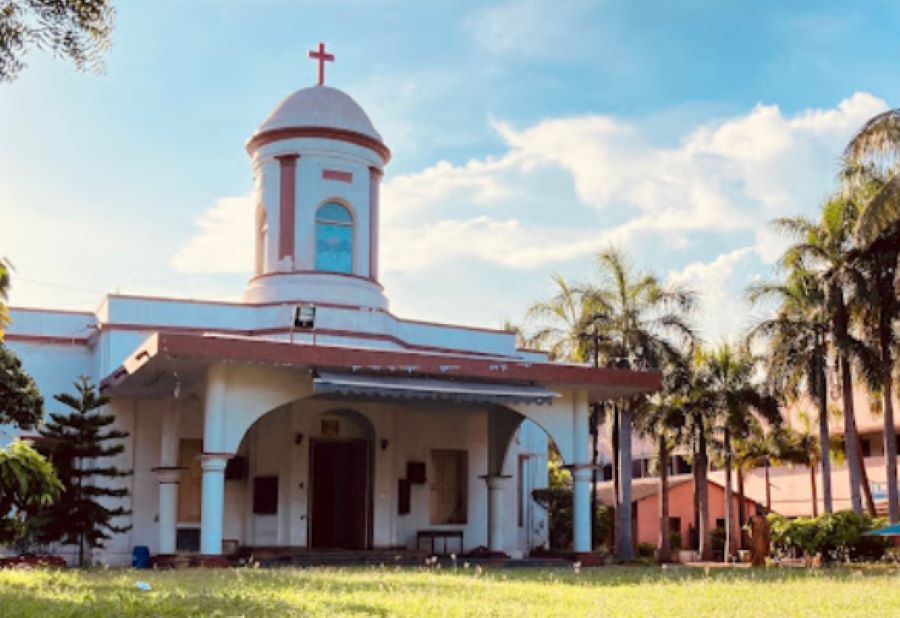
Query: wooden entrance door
x: 339, y: 494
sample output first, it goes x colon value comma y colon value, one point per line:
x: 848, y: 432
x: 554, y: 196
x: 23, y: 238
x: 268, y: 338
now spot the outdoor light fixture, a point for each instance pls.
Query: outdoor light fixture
x: 298, y: 438
x: 305, y: 317
x: 384, y: 444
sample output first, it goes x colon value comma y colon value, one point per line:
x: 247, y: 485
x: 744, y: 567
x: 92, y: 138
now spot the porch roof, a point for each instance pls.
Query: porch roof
x: 191, y: 353
x: 460, y: 391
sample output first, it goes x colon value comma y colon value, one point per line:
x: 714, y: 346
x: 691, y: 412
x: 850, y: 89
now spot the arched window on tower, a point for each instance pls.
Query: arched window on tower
x: 334, y: 238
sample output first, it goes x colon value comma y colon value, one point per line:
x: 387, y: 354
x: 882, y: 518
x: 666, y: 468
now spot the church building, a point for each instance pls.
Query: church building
x: 308, y: 416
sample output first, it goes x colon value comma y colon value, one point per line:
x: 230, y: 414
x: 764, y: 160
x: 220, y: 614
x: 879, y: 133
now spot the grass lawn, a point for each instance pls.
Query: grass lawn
x: 612, y: 591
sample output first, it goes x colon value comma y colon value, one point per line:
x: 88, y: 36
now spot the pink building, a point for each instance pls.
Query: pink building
x: 645, y: 494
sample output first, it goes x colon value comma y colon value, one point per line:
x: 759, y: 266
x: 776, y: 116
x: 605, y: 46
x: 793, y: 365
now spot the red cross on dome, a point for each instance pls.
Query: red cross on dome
x: 322, y: 57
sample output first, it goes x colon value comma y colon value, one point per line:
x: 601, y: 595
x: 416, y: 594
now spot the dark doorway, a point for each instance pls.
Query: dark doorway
x: 340, y: 490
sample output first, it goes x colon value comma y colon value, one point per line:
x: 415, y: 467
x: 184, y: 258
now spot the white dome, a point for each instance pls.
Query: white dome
x: 320, y: 106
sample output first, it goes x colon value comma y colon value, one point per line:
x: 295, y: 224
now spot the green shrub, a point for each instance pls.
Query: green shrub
x: 675, y: 540
x: 604, y: 526
x: 646, y: 550
x: 558, y: 502
x: 717, y: 539
x: 837, y: 536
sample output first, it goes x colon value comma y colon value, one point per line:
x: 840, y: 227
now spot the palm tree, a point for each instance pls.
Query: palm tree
x: 874, y: 150
x: 662, y: 416
x: 824, y: 248
x: 636, y: 322
x: 561, y: 331
x: 801, y: 447
x: 797, y: 350
x: 560, y: 322
x: 737, y: 403
x: 879, y: 311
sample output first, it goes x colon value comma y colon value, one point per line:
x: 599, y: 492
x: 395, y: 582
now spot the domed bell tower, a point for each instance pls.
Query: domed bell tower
x: 317, y: 167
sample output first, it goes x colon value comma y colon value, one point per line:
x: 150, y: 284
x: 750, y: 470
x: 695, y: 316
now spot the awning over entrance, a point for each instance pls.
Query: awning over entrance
x: 166, y: 359
x: 393, y: 387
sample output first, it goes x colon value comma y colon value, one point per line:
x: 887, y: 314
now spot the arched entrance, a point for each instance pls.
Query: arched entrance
x: 340, y: 482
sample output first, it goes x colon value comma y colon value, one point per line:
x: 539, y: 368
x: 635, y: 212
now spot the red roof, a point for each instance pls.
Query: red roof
x: 206, y: 349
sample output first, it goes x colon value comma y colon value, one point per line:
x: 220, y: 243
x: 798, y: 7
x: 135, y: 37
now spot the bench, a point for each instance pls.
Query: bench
x: 446, y: 535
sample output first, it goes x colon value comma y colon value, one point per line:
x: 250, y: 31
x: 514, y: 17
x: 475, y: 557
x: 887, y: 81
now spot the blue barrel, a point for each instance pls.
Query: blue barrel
x: 140, y: 557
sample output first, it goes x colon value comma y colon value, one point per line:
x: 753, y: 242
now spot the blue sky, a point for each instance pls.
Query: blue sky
x: 526, y: 136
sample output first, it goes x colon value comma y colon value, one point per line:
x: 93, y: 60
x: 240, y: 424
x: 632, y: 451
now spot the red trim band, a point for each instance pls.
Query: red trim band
x: 310, y: 272
x: 281, y: 330
x: 337, y: 175
x: 47, y: 339
x: 407, y: 363
x: 343, y: 135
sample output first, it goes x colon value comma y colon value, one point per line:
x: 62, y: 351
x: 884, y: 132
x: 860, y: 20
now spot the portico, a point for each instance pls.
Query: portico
x: 259, y: 403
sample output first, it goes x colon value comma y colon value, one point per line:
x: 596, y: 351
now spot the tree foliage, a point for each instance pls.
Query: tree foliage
x: 75, y: 29
x: 27, y: 482
x: 5, y: 268
x: 20, y: 401
x: 874, y: 151
x: 836, y: 536
x: 79, y: 442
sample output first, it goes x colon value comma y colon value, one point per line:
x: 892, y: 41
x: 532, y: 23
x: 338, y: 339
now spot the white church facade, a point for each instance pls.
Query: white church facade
x: 308, y: 415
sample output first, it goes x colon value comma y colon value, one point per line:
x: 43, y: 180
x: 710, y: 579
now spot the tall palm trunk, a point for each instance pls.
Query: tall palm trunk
x: 864, y: 479
x: 890, y: 450
x: 812, y: 483
x: 626, y: 540
x: 704, y: 541
x: 595, y: 458
x: 729, y: 499
x: 664, y: 550
x: 617, y: 477
x: 695, y: 476
x: 742, y: 508
x: 766, y: 467
x: 851, y: 443
x: 824, y: 441
x: 890, y: 433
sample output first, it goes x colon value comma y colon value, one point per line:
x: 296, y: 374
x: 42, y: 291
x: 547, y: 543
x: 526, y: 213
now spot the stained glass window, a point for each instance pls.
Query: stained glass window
x: 334, y: 238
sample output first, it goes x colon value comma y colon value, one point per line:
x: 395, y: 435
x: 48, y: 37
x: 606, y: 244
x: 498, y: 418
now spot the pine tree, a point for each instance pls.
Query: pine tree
x: 78, y: 441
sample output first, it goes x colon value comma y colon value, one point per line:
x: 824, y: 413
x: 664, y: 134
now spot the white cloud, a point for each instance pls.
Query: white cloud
x: 224, y: 242
x: 530, y: 28
x: 730, y: 176
x: 723, y: 312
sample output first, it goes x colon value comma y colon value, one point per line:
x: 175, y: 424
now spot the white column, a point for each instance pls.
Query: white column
x: 581, y: 475
x: 495, y: 486
x: 168, y: 475
x: 214, y: 409
x: 212, y: 505
x: 212, y: 502
x: 168, y: 508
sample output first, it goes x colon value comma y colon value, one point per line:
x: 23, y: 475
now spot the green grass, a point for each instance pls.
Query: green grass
x: 612, y: 591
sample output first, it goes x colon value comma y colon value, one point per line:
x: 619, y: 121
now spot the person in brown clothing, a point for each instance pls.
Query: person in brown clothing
x: 760, y: 538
